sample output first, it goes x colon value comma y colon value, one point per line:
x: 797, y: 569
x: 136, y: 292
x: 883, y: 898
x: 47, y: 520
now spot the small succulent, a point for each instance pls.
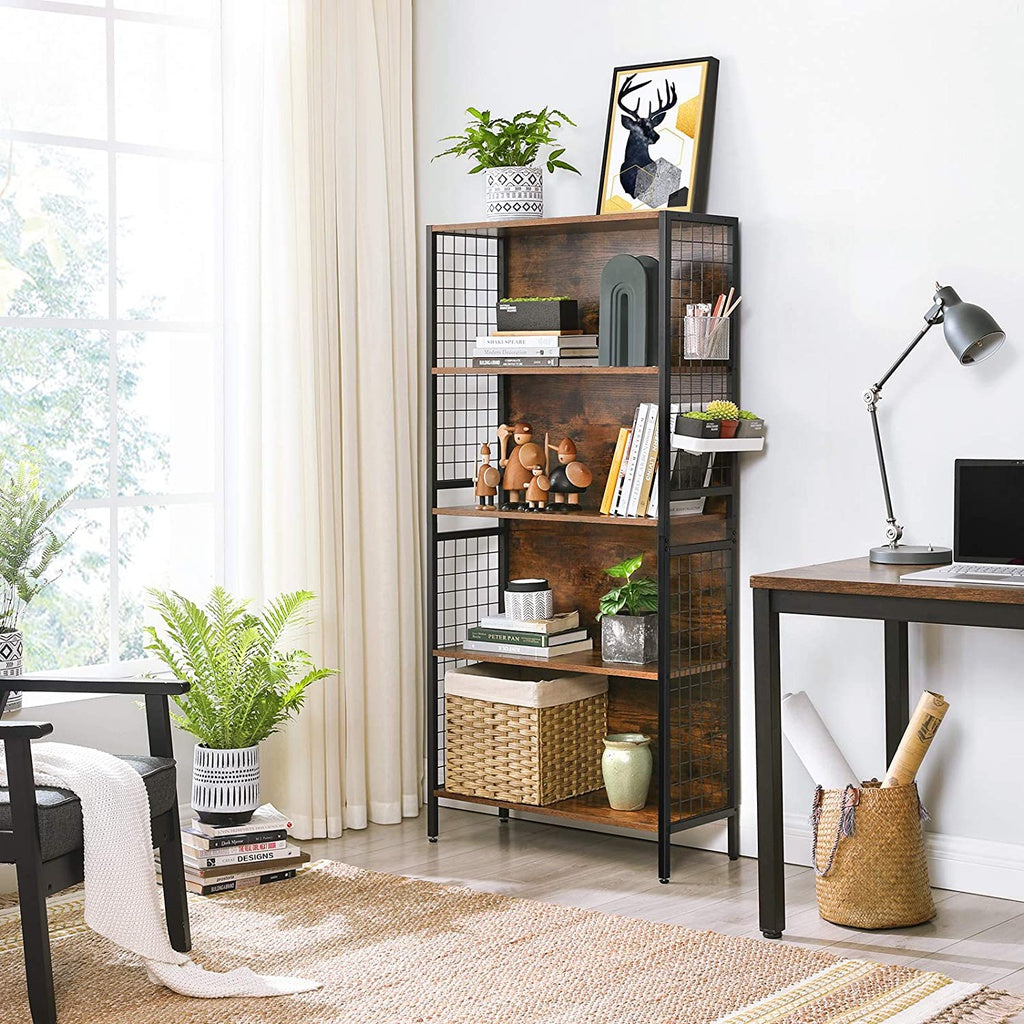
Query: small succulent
x: 723, y: 411
x: 746, y: 414
x: 538, y: 298
x: 697, y: 415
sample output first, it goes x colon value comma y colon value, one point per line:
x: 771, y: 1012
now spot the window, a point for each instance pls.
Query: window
x: 110, y: 309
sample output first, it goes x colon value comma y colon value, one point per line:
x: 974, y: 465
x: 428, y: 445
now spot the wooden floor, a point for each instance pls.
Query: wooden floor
x: 973, y: 938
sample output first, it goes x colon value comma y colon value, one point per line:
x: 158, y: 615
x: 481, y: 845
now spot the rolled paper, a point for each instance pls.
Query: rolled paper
x: 814, y: 745
x: 924, y: 724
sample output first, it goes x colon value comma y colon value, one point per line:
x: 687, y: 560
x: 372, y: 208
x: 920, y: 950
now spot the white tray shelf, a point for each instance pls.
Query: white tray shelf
x: 699, y: 445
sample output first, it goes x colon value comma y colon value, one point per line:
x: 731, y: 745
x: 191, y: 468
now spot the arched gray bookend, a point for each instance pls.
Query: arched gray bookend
x: 628, y: 317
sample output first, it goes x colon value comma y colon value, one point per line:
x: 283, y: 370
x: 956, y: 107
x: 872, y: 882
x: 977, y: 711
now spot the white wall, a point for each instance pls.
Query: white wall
x: 868, y: 150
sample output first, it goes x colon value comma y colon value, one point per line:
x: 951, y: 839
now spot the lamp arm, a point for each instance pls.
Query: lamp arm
x: 872, y: 396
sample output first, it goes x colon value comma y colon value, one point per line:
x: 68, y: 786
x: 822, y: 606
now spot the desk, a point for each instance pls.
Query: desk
x: 851, y: 589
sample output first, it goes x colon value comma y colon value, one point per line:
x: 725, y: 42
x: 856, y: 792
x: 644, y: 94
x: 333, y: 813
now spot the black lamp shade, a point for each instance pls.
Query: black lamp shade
x: 971, y: 332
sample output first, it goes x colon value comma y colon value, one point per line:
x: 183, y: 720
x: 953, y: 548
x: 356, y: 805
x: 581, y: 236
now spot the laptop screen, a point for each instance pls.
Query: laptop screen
x: 988, y: 520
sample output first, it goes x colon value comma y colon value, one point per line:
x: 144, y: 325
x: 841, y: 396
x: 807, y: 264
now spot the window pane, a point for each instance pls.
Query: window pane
x: 166, y: 239
x: 165, y: 84
x: 54, y: 406
x: 68, y: 623
x: 53, y: 232
x: 166, y: 434
x: 188, y: 8
x: 170, y: 547
x: 53, y: 75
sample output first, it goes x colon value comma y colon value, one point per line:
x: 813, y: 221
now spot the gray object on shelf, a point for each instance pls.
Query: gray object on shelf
x: 631, y: 639
x: 11, y: 653
x: 628, y: 315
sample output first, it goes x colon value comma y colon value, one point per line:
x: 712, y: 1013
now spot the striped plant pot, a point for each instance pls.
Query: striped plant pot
x: 514, y: 193
x: 11, y: 652
x: 225, y: 784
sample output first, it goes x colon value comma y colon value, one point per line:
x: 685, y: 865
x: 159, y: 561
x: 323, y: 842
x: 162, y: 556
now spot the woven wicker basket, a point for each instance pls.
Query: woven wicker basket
x: 869, y: 857
x: 524, y: 755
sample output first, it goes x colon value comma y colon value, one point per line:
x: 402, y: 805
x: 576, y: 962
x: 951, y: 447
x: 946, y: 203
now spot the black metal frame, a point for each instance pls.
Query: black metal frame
x: 895, y: 612
x: 678, y: 380
x: 20, y: 846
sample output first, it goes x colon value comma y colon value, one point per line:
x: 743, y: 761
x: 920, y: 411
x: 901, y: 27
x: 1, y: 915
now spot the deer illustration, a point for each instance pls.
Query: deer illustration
x: 642, y: 134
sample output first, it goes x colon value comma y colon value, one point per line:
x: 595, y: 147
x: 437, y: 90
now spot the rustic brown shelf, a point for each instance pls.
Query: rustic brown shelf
x: 704, y: 527
x: 583, y: 371
x: 588, y: 222
x: 592, y: 807
x: 583, y: 661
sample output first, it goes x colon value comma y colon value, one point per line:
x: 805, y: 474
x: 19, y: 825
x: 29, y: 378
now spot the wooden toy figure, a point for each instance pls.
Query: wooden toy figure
x: 534, y: 458
x: 570, y: 478
x: 517, y: 476
x: 487, y: 479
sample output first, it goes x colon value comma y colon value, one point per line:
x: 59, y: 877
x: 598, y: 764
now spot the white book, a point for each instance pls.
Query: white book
x: 643, y: 458
x: 519, y: 651
x: 560, y: 623
x: 536, y: 340
x: 265, y: 818
x: 634, y: 438
x: 254, y: 857
x: 192, y: 845
x: 639, y: 427
x: 515, y: 351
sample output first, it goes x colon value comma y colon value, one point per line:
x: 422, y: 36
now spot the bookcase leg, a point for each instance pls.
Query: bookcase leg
x: 432, y: 829
x: 502, y: 815
x: 664, y: 856
x: 733, y: 833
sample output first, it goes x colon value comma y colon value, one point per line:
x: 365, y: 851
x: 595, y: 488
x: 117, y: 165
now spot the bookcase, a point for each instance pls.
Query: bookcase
x: 687, y: 701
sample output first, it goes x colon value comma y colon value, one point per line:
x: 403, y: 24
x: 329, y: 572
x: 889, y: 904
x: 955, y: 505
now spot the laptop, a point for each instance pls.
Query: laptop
x: 988, y: 526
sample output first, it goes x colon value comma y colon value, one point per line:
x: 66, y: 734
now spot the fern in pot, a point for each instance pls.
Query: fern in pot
x: 243, y: 689
x: 28, y: 547
x: 629, y: 616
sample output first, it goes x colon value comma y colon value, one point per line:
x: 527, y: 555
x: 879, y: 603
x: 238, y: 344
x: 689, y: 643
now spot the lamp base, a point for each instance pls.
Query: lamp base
x: 912, y: 554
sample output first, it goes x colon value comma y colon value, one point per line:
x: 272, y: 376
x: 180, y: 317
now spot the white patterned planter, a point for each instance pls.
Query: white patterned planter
x: 11, y: 652
x: 225, y: 784
x: 514, y: 193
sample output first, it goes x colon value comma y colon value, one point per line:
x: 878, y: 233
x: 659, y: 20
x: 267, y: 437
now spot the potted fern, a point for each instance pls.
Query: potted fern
x: 243, y: 689
x: 28, y: 546
x: 505, y: 150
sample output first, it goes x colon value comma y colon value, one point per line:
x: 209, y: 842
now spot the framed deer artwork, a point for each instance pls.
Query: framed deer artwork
x: 657, y: 150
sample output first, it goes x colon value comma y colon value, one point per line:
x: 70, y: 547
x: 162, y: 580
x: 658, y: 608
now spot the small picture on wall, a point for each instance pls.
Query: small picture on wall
x: 657, y: 149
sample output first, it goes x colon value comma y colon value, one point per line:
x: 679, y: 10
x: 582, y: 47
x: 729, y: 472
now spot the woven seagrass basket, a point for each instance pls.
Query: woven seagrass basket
x: 524, y: 755
x: 869, y: 857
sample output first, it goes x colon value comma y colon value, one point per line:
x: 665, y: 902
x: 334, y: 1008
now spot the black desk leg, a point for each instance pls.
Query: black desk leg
x: 768, y: 741
x: 897, y: 685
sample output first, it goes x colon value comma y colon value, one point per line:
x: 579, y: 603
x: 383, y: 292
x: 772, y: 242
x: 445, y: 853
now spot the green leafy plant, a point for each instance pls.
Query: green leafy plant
x: 698, y: 415
x: 501, y: 142
x: 243, y: 687
x: 634, y: 597
x: 539, y: 298
x: 28, y: 545
x: 723, y: 411
x: 746, y: 414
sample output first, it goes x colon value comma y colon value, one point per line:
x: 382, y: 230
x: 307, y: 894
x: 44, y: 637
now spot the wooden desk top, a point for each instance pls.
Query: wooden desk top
x: 860, y: 576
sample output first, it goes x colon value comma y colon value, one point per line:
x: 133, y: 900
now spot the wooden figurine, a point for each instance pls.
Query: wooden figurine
x: 517, y: 476
x: 487, y: 479
x: 534, y: 458
x: 570, y: 478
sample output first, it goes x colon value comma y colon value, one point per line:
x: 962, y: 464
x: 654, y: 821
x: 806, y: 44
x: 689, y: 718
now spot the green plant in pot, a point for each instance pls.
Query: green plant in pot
x: 750, y: 424
x: 28, y: 547
x: 728, y: 415
x: 244, y: 688
x: 505, y: 151
x: 628, y: 616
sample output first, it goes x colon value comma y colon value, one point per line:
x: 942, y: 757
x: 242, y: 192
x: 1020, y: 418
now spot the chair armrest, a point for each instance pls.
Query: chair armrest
x: 24, y: 730
x: 33, y: 683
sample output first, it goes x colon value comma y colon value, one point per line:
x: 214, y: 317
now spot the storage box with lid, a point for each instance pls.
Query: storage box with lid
x: 523, y: 735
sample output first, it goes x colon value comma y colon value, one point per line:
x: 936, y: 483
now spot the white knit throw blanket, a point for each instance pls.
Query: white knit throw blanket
x: 121, y: 892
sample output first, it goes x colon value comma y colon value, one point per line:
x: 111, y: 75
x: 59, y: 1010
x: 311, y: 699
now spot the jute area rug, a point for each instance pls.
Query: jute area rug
x: 392, y: 950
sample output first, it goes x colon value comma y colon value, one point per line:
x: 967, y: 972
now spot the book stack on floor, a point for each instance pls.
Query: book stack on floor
x: 222, y: 858
x: 537, y: 348
x: 542, y: 638
x: 634, y: 475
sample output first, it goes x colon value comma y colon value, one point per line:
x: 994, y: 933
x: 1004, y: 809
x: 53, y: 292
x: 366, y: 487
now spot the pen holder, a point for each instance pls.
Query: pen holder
x: 705, y: 337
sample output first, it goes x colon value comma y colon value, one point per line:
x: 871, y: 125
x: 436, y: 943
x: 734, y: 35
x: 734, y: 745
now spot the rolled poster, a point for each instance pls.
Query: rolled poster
x: 814, y: 745
x: 924, y: 724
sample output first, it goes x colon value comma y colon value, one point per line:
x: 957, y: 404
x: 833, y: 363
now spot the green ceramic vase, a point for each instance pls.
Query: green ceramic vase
x: 626, y: 766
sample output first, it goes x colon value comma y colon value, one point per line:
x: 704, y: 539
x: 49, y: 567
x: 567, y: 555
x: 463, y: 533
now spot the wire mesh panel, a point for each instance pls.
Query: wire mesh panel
x: 467, y: 587
x: 700, y: 683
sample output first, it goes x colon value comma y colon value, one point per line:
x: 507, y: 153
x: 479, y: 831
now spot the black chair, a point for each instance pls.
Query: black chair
x: 41, y: 828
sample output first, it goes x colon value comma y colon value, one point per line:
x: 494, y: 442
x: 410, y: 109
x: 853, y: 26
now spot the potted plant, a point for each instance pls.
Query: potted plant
x: 750, y: 424
x: 243, y: 689
x: 699, y: 424
x: 628, y: 615
x: 28, y: 546
x: 505, y: 150
x: 727, y: 414
x: 548, y: 313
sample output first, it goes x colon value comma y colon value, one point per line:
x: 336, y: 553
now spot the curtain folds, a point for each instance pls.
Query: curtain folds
x: 323, y: 487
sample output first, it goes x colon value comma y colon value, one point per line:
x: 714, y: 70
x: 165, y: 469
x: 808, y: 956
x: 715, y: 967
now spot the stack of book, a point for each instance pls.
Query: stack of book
x: 537, y: 348
x: 221, y: 858
x: 634, y: 475
x: 543, y: 638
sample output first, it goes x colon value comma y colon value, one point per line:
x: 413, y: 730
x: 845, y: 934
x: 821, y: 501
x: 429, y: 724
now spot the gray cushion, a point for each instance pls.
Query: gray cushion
x: 60, y: 813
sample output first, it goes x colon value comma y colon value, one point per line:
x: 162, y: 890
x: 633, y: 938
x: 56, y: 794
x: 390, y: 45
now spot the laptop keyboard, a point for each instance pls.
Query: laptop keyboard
x: 963, y: 569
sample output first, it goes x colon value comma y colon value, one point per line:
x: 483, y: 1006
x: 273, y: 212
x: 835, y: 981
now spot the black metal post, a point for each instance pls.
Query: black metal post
x: 430, y: 716
x: 897, y: 684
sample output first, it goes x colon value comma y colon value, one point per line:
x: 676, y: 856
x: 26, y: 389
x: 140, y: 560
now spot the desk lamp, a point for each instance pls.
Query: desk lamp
x: 972, y: 335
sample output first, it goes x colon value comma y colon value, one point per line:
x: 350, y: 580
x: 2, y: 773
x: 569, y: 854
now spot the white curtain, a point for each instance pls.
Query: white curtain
x: 322, y: 486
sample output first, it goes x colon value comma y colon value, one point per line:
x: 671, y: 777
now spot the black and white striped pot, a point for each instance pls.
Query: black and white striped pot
x: 514, y: 193
x: 11, y: 652
x: 225, y: 784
